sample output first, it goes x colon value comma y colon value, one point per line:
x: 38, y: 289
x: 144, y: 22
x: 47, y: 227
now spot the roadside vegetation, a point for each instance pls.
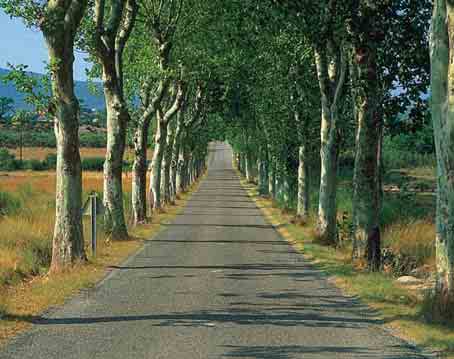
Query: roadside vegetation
x: 409, y: 234
x: 27, y: 210
x: 347, y: 131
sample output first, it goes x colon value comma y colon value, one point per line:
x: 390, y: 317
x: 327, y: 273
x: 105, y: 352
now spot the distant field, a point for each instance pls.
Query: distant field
x: 40, y: 153
x: 44, y: 181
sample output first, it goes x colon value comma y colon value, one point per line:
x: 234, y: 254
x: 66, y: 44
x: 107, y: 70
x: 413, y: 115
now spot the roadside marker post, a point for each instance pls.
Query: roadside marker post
x: 92, y: 208
x: 93, y: 200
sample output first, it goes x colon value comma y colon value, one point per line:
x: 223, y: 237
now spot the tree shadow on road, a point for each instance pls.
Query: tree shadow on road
x: 297, y: 351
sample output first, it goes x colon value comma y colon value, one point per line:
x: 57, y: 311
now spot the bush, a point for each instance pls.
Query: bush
x: 35, y: 165
x: 97, y: 140
x: 93, y: 164
x: 46, y: 138
x: 405, y: 151
x: 8, y: 161
x: 36, y: 257
x: 51, y: 161
x: 9, y: 204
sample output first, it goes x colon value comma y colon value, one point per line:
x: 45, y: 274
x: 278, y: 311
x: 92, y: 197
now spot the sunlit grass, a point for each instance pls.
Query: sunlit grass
x: 399, y: 307
x: 25, y: 247
x: 40, y: 153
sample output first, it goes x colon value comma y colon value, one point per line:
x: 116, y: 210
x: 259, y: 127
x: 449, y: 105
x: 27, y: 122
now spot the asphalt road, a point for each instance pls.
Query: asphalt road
x: 219, y: 282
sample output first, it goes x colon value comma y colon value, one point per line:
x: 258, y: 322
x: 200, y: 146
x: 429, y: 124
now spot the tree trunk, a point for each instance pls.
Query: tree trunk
x: 249, y: 167
x: 181, y: 164
x: 367, y: 177
x: 303, y: 185
x: 117, y: 119
x: 175, y: 157
x: 166, y: 164
x: 139, y: 173
x: 156, y: 164
x: 263, y: 174
x: 186, y: 168
x: 272, y: 180
x: 442, y: 87
x: 68, y: 239
x: 331, y: 75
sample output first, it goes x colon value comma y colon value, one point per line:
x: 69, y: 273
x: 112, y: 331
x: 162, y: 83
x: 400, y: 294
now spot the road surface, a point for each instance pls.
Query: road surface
x: 219, y: 282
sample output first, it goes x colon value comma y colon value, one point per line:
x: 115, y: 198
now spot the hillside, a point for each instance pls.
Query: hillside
x: 85, y: 96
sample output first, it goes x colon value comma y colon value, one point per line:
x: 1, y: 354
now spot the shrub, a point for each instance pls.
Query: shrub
x: 9, y: 204
x: 93, y: 164
x: 51, y: 161
x: 97, y: 140
x: 35, y: 165
x: 8, y: 161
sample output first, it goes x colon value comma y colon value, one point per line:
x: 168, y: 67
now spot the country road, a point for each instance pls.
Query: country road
x: 219, y: 282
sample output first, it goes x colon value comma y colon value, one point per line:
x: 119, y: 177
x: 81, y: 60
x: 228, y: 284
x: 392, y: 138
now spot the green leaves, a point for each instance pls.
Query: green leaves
x: 36, y: 88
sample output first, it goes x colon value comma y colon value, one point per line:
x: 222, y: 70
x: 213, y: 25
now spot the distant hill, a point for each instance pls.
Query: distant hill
x: 88, y: 100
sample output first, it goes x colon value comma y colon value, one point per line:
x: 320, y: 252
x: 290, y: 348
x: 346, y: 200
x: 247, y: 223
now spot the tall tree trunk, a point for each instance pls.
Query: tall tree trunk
x: 181, y: 164
x: 110, y: 33
x: 139, y: 173
x: 68, y: 240
x: 249, y: 167
x: 175, y: 156
x: 442, y: 87
x: 166, y: 164
x: 303, y: 185
x: 156, y: 164
x: 186, y: 168
x: 163, y: 120
x: 367, y: 183
x: 117, y: 119
x: 263, y: 173
x: 331, y: 70
x: 272, y: 179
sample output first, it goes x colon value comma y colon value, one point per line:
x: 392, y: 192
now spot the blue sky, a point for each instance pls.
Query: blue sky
x: 20, y: 45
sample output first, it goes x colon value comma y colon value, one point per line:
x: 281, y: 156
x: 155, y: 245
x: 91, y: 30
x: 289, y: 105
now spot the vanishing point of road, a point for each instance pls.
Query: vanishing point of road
x: 219, y: 282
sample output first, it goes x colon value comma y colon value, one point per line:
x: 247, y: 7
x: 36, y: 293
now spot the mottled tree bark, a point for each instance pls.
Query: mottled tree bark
x: 156, y: 163
x: 442, y: 87
x: 166, y: 164
x: 139, y: 169
x: 331, y: 69
x: 303, y: 201
x: 139, y: 174
x: 367, y: 183
x: 263, y: 173
x: 59, y: 29
x: 110, y: 36
x: 117, y: 119
x: 175, y: 156
x: 249, y: 166
x: 160, y: 145
x: 181, y: 166
x: 272, y: 179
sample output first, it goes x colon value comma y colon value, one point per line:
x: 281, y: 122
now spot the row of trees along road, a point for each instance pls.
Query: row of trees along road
x: 292, y: 85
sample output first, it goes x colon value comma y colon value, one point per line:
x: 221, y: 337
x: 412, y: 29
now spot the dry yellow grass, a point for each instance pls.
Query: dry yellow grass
x: 27, y: 290
x: 415, y: 239
x: 44, y: 181
x: 40, y: 153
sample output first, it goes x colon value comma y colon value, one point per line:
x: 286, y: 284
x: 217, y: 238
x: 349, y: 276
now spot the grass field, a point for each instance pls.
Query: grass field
x: 40, y: 153
x: 25, y: 247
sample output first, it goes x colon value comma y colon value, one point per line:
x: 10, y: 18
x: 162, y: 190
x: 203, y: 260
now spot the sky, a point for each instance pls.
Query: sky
x: 21, y: 45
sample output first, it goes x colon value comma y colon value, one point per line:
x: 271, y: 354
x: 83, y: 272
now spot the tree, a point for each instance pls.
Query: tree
x: 6, y: 107
x: 22, y: 122
x: 366, y: 32
x: 106, y: 35
x: 442, y: 85
x: 59, y: 21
